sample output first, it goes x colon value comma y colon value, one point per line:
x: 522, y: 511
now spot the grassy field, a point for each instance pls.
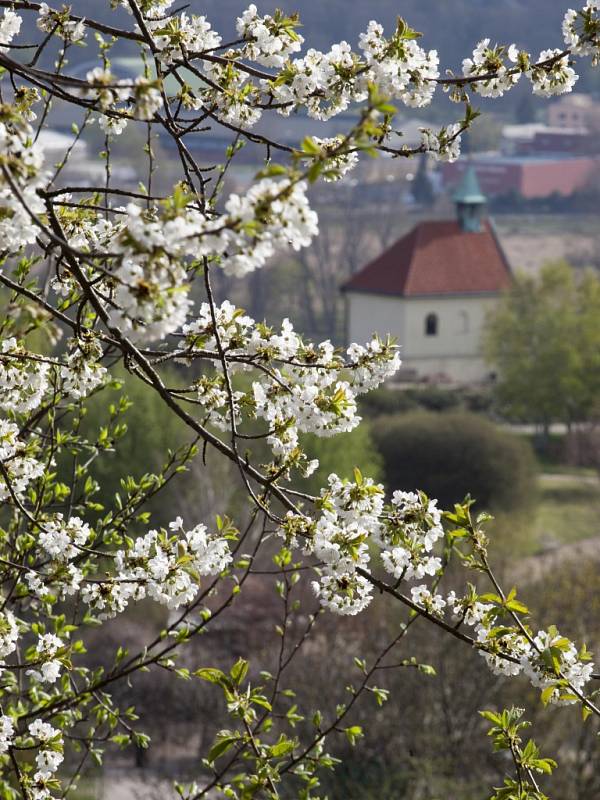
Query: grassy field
x: 569, y: 508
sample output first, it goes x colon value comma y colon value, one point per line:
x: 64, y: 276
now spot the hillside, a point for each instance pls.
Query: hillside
x: 452, y: 27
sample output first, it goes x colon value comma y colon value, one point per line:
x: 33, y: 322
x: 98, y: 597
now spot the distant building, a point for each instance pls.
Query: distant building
x: 537, y: 139
x: 573, y: 110
x: 528, y: 176
x: 432, y: 289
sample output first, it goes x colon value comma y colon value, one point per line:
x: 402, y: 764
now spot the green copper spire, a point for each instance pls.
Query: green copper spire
x: 469, y: 201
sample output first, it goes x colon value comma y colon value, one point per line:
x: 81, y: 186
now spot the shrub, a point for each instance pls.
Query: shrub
x: 452, y: 454
x: 430, y: 398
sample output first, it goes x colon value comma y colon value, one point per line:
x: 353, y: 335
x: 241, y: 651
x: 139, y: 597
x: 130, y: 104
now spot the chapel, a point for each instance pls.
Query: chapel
x: 432, y: 291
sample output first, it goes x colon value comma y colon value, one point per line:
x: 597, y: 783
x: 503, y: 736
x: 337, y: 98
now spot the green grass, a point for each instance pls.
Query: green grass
x: 569, y: 508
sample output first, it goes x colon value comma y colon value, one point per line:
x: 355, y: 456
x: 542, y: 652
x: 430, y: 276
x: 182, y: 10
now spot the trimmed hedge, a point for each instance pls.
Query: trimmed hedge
x: 454, y: 454
x: 429, y: 398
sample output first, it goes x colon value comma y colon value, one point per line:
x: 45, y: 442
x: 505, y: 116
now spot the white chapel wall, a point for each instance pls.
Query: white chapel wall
x: 370, y: 313
x: 454, y: 351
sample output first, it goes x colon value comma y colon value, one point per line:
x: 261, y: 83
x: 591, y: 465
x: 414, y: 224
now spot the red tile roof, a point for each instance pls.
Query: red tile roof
x: 437, y: 258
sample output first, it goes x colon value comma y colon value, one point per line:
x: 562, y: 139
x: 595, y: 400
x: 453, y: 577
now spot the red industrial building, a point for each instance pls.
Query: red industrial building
x: 528, y: 176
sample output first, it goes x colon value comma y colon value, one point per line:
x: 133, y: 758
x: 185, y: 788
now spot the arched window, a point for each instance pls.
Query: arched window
x: 463, y: 322
x: 431, y: 325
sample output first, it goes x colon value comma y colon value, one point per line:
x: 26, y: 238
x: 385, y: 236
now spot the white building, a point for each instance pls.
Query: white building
x: 432, y: 290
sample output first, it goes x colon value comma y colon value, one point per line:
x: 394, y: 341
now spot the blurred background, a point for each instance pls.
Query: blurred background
x: 487, y: 271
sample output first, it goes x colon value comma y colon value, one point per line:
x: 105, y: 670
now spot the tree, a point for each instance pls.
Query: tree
x: 123, y: 273
x: 544, y: 342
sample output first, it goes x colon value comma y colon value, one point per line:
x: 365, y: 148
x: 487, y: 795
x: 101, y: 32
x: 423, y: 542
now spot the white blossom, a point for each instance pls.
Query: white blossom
x: 346, y: 595
x: 50, y: 20
x: 554, y: 78
x: 9, y: 633
x: 338, y: 164
x: 7, y: 731
x: 182, y: 35
x: 432, y: 603
x: 49, y: 667
x: 10, y: 25
x: 443, y: 145
x: 270, y: 41
x: 553, y: 659
x: 488, y: 60
x: 581, y: 30
x: 24, y: 378
x: 20, y: 468
x: 82, y: 372
x: 62, y: 540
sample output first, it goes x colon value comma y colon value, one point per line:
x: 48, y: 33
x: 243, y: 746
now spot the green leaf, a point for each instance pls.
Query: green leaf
x: 239, y: 671
x: 221, y: 746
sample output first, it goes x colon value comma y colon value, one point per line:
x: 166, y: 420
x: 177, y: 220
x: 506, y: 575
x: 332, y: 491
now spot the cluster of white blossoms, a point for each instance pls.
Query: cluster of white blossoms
x: 19, y: 468
x: 581, y: 30
x: 10, y: 25
x: 269, y: 40
x: 399, y: 67
x: 107, y: 91
x: 82, y: 371
x: 49, y: 744
x: 308, y: 389
x: 181, y: 36
x: 315, y: 82
x: 554, y: 665
x: 557, y: 76
x: 550, y: 661
x: 271, y: 216
x: 44, y: 657
x: 7, y: 731
x: 150, y: 297
x: 22, y: 161
x: 166, y: 567
x: 86, y: 231
x: 499, y: 68
x: 147, y: 98
x: 231, y: 97
x: 432, y: 602
x: 444, y: 144
x: 48, y: 758
x: 64, y: 539
x: 338, y: 162
x: 487, y: 60
x: 339, y: 539
x: 326, y: 83
x: 9, y: 633
x: 148, y: 287
x: 58, y: 22
x: 23, y: 378
x: 354, y: 517
x: 408, y: 536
